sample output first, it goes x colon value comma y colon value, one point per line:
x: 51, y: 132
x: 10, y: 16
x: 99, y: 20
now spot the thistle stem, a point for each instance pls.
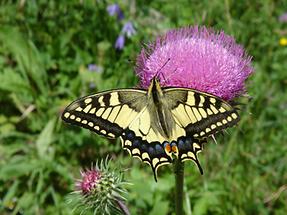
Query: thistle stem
x: 123, y: 207
x: 179, y: 173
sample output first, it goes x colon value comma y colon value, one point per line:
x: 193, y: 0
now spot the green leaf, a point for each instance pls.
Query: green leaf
x: 160, y: 207
x: 26, y: 55
x: 8, y: 198
x: 208, y: 200
x: 28, y: 202
x: 12, y: 81
x: 45, y: 139
x: 17, y: 167
x: 7, y: 128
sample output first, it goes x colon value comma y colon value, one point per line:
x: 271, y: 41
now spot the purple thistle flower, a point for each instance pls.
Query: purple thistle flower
x: 128, y: 29
x: 114, y: 9
x: 89, y: 181
x: 283, y: 17
x: 100, y: 189
x: 198, y: 58
x: 120, y: 42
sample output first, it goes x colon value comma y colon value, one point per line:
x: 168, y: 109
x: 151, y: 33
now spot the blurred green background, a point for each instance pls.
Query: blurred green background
x: 52, y: 52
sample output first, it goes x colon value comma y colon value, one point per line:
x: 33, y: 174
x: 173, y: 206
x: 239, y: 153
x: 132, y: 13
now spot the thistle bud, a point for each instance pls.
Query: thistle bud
x: 100, y: 191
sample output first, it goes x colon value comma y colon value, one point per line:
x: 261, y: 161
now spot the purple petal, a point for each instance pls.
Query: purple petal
x: 120, y: 15
x: 114, y: 9
x: 89, y: 181
x: 120, y: 42
x: 93, y: 67
x: 283, y: 17
x: 128, y: 29
x: 200, y: 58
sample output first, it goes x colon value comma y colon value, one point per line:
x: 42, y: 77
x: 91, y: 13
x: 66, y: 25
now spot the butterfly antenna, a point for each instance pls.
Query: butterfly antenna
x: 168, y: 77
x: 157, y: 73
x: 164, y: 79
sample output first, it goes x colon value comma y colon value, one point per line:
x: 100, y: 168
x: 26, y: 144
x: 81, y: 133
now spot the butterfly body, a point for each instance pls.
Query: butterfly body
x: 155, y: 125
x: 158, y: 107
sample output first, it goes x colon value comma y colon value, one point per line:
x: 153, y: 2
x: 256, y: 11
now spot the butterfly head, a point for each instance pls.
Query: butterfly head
x: 155, y: 88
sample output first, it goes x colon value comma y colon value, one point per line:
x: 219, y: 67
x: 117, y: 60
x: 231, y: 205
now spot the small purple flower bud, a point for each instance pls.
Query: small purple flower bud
x: 99, y: 191
x: 128, y: 29
x: 95, y: 68
x: 283, y: 17
x: 114, y: 9
x: 198, y: 58
x: 89, y: 181
x: 120, y: 42
x: 92, y: 67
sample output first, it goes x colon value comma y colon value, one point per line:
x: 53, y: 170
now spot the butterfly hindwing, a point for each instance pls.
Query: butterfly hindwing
x: 188, y: 148
x: 200, y: 114
x: 152, y: 153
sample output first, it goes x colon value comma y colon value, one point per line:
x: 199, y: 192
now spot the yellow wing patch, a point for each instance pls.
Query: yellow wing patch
x: 105, y: 113
x: 200, y: 114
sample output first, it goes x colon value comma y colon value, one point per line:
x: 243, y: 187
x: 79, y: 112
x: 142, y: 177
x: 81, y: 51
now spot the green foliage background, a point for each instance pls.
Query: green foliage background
x: 45, y: 49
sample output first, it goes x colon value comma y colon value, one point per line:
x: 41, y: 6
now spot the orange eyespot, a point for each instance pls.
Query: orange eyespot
x: 168, y: 148
x: 174, y: 149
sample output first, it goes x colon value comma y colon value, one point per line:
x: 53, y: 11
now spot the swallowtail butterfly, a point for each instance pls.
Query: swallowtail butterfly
x: 155, y: 125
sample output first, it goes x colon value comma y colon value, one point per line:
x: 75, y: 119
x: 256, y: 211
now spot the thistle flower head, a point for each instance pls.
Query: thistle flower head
x: 89, y: 181
x: 99, y: 190
x: 198, y: 58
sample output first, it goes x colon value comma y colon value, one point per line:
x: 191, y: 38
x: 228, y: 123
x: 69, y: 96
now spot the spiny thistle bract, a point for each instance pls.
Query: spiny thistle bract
x: 99, y: 191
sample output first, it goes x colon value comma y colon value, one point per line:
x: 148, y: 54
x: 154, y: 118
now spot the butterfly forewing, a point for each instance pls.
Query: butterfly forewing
x: 121, y: 113
x: 108, y: 113
x: 200, y: 114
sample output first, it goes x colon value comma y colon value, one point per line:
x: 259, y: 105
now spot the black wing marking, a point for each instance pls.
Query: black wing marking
x: 107, y: 113
x: 152, y: 153
x: 188, y: 148
x: 121, y: 113
x: 155, y: 154
x: 200, y: 114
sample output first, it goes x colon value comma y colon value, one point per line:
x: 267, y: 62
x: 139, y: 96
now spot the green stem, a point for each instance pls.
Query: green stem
x: 123, y: 207
x: 179, y: 173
